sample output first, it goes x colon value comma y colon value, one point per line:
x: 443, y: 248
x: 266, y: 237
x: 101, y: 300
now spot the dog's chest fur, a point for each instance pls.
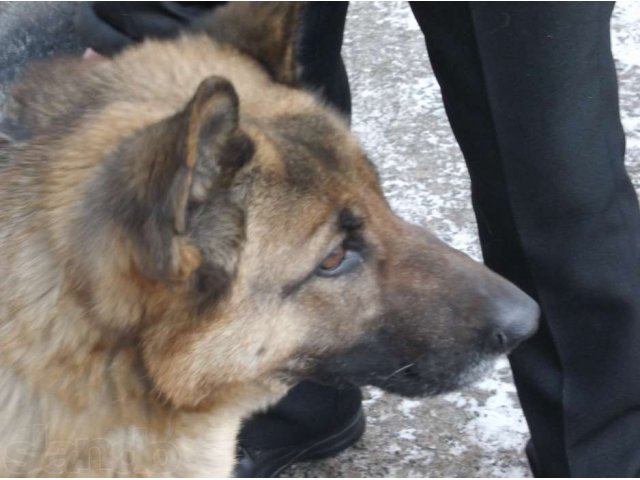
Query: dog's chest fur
x: 60, y: 381
x: 36, y: 431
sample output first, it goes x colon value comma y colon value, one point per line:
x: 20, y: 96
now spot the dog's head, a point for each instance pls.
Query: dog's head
x: 246, y: 248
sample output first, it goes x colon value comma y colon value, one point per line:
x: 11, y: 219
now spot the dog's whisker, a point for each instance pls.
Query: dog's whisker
x: 409, y: 365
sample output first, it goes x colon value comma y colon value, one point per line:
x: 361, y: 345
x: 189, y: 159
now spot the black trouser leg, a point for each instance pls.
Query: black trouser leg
x: 319, y: 55
x: 531, y: 93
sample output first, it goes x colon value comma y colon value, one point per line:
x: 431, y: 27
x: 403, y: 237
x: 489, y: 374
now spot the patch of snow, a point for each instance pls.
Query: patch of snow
x: 626, y: 36
x: 407, y: 406
x: 407, y: 434
x: 374, y: 394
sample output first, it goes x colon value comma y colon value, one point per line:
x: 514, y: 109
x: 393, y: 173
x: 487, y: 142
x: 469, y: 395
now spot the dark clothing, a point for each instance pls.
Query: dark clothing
x: 108, y: 27
x: 531, y: 93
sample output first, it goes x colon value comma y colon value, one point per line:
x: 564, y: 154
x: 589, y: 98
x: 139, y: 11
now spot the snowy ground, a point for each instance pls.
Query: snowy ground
x: 400, y: 120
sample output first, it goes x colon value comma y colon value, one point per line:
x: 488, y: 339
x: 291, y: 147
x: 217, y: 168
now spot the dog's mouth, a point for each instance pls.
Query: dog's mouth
x: 414, y: 381
x: 424, y: 376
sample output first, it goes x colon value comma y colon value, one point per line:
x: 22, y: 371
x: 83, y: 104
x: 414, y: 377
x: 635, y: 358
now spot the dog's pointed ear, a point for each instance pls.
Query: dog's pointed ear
x: 172, y: 166
x: 267, y: 31
x: 210, y: 146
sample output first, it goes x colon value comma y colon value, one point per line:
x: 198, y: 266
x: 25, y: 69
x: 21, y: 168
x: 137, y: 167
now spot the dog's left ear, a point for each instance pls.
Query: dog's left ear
x: 267, y: 31
x: 210, y: 147
x: 170, y: 167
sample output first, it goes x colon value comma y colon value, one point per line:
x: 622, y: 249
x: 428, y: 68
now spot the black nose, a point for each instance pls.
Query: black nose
x: 515, y: 318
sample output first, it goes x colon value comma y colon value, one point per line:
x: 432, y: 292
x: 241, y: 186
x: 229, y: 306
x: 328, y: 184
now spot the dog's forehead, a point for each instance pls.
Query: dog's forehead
x: 308, y: 169
x: 311, y: 135
x: 316, y: 151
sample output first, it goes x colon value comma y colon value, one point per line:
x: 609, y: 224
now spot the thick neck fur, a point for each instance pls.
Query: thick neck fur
x: 74, y: 396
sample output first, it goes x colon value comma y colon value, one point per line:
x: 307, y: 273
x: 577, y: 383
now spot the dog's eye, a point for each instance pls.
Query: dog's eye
x: 334, y: 259
x: 339, y: 262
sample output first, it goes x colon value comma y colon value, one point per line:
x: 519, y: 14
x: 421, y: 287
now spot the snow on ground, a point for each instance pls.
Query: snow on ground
x: 399, y: 117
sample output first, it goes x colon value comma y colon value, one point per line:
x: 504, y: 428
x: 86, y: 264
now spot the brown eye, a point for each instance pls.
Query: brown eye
x: 342, y: 260
x: 334, y: 259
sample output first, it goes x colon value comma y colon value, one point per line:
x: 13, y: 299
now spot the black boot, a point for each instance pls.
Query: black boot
x: 311, y: 422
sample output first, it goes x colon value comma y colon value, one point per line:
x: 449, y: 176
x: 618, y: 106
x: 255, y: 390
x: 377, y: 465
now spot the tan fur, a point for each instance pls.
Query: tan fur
x: 67, y: 379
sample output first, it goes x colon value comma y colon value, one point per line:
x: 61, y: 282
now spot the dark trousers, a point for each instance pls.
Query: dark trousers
x: 531, y: 94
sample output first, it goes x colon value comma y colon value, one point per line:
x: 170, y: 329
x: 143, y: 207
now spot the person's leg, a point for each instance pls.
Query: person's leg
x: 453, y: 53
x: 531, y: 93
x: 319, y: 53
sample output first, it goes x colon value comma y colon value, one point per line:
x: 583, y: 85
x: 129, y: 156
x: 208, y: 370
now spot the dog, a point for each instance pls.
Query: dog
x: 186, y: 233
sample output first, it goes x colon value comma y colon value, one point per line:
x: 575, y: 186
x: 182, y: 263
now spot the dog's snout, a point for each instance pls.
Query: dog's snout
x: 515, y: 318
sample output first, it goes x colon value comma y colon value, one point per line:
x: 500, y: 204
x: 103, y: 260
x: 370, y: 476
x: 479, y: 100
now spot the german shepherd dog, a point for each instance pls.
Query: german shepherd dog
x: 185, y: 233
